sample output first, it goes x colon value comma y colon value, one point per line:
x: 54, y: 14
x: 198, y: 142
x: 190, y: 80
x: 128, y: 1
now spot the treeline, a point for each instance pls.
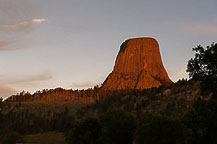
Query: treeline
x: 28, y: 118
x: 55, y: 95
x: 117, y: 126
x: 165, y: 101
x: 60, y: 95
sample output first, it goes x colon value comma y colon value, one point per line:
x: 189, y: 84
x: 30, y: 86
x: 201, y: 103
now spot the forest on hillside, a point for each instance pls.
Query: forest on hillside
x: 181, y: 113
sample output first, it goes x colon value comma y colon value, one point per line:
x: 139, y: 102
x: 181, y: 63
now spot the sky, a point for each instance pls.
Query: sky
x: 73, y: 44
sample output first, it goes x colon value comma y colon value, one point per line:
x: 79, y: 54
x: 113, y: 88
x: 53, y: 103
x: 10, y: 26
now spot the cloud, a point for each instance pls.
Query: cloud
x: 206, y: 29
x: 7, y: 84
x: 4, y: 43
x: 18, y: 18
x: 13, y: 10
x: 7, y: 45
x: 83, y: 85
x: 20, y: 80
x: 13, y: 34
x: 35, y: 78
x: 178, y: 74
x: 6, y: 90
x: 26, y: 79
x: 24, y: 26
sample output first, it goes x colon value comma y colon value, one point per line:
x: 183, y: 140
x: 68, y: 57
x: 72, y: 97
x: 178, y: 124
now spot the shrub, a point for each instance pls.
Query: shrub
x: 87, y: 131
x: 161, y: 130
x: 118, y: 127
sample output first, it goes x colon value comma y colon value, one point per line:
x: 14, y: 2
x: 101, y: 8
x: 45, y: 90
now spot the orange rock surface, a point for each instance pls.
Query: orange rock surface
x: 138, y: 66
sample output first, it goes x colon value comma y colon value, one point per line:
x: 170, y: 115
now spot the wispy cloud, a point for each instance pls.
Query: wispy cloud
x: 18, y: 18
x: 24, y: 26
x: 26, y: 79
x: 83, y: 85
x: 206, y: 29
x: 4, y: 43
x: 8, y: 45
x: 178, y: 74
x: 8, y: 84
x: 12, y: 34
x: 202, y: 28
x: 6, y: 90
x: 35, y: 78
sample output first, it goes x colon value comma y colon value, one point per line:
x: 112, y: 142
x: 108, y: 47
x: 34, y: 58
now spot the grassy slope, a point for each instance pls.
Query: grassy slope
x: 45, y: 138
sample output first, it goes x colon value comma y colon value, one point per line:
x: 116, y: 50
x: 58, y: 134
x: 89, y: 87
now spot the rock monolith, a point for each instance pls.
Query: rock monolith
x: 138, y: 66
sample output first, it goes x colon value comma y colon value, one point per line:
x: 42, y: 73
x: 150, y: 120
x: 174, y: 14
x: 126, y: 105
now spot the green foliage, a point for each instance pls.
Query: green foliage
x: 161, y: 130
x: 202, y: 120
x: 204, y: 62
x: 87, y: 131
x: 204, y: 67
x: 118, y: 127
x: 38, y: 118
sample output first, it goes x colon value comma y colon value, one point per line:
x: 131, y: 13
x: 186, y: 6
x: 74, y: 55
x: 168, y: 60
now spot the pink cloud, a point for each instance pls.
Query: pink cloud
x: 178, y: 74
x: 26, y: 79
x: 6, y: 90
x: 24, y: 26
x: 206, y: 29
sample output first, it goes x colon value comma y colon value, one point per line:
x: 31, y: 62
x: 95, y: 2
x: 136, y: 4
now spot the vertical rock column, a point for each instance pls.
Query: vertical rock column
x: 138, y: 66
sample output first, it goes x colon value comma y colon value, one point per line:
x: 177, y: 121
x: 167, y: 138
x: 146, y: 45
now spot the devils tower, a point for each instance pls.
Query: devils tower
x: 138, y: 66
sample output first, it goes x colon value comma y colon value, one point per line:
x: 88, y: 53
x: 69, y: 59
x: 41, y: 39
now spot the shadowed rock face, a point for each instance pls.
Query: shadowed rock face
x: 138, y: 66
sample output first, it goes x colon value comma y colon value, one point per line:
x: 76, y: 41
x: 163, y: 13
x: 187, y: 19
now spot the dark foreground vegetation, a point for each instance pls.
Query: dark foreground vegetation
x: 182, y: 113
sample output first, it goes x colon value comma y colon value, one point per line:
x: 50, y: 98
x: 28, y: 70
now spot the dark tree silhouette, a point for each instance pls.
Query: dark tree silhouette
x: 204, y: 67
x: 1, y: 123
x: 161, y: 130
x: 118, y: 127
x: 87, y: 131
x: 202, y: 120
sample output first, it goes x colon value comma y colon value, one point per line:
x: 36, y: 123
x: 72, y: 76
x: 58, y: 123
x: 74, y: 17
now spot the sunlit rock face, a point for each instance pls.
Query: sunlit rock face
x: 138, y: 66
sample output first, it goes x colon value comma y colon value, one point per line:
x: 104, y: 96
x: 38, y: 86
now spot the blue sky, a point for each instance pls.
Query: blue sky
x: 74, y: 43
